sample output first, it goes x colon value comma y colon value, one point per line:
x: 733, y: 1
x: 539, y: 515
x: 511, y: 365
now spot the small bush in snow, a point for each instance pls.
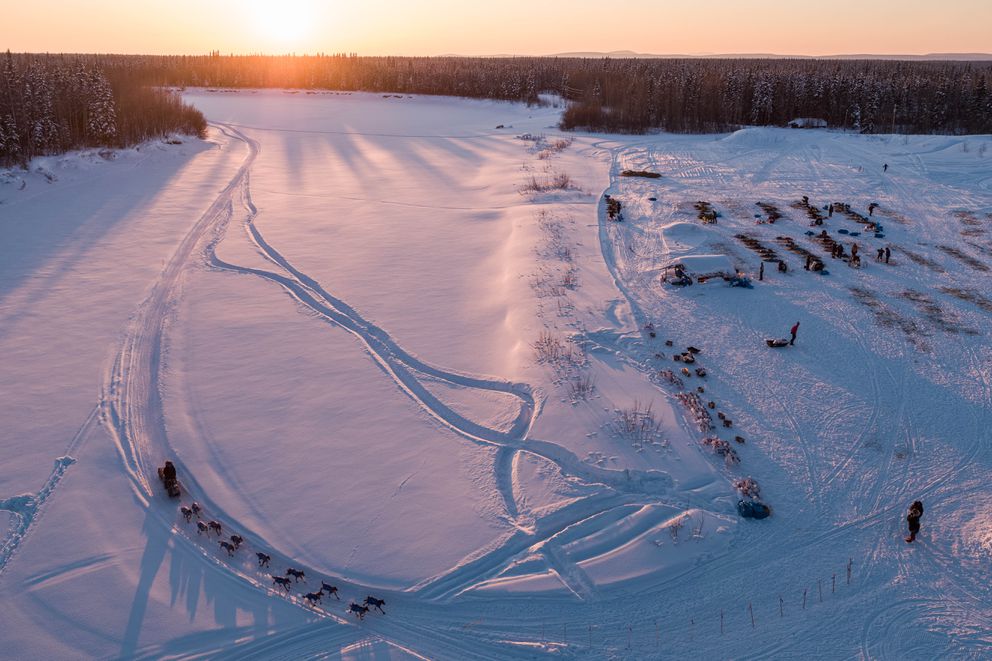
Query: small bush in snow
x: 550, y: 182
x: 553, y: 350
x: 636, y: 423
x: 581, y: 387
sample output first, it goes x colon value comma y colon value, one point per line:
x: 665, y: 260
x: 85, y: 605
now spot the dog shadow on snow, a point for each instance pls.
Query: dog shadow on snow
x: 194, y: 584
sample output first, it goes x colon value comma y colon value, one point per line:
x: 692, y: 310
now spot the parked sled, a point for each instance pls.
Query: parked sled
x: 777, y: 342
x: 753, y: 509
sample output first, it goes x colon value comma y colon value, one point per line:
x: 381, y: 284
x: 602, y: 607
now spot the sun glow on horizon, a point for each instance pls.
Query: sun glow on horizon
x: 283, y: 24
x: 521, y: 27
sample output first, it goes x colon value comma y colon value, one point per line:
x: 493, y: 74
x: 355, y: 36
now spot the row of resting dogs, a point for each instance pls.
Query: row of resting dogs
x: 233, y: 543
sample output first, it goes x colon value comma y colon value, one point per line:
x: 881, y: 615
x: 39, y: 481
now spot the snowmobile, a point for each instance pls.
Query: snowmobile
x: 169, y: 480
x: 775, y: 343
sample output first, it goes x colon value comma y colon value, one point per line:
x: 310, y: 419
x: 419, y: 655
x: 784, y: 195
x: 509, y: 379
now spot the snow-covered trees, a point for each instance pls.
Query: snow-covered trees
x: 101, y: 121
x: 52, y: 103
x: 629, y: 95
x: 55, y: 102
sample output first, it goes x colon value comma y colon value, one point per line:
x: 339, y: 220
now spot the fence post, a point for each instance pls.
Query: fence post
x: 850, y: 561
x: 833, y: 583
x: 751, y: 610
x: 804, y: 598
x: 819, y: 586
x: 721, y: 621
x: 781, y: 607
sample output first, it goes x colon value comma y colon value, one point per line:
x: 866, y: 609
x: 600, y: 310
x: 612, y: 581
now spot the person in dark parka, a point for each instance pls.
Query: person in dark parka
x: 913, y: 519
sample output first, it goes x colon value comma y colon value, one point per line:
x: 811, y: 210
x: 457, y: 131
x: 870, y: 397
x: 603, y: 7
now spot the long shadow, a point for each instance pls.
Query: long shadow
x: 157, y: 545
x: 46, y: 239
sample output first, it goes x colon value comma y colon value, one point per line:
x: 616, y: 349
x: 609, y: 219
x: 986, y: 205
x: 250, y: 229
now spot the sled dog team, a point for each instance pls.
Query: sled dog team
x: 285, y: 582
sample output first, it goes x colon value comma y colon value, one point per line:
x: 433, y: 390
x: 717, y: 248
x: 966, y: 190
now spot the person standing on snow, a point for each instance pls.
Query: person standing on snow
x: 885, y: 168
x: 913, y: 519
x: 794, y: 330
x: 888, y: 253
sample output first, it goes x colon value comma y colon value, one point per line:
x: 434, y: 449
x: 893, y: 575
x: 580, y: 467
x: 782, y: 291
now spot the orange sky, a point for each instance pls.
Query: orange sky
x: 433, y: 27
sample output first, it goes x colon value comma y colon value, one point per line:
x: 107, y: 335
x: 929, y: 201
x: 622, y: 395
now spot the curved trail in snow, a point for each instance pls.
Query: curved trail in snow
x: 403, y: 367
x: 133, y: 407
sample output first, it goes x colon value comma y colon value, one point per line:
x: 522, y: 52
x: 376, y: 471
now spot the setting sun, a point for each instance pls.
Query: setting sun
x: 282, y: 24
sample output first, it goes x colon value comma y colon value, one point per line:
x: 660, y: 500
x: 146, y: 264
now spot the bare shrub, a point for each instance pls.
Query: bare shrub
x: 553, y: 350
x: 550, y: 182
x: 564, y: 253
x: 570, y: 278
x: 581, y: 387
x: 697, y: 532
x: 675, y: 526
x: 549, y: 148
x: 636, y: 423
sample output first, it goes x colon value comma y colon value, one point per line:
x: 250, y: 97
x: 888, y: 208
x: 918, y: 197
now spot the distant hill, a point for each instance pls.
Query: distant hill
x: 970, y: 57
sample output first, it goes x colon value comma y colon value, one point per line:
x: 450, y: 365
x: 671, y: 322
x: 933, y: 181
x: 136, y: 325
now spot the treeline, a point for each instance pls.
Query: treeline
x: 636, y: 95
x: 699, y: 96
x: 50, y: 104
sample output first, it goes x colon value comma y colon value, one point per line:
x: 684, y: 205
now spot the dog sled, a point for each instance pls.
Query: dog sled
x: 775, y: 343
x: 167, y: 474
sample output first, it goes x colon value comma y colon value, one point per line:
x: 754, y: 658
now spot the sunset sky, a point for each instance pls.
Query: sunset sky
x: 434, y: 27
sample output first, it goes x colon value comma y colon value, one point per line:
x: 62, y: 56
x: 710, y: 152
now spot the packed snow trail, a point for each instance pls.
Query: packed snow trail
x: 134, y: 408
x: 402, y: 367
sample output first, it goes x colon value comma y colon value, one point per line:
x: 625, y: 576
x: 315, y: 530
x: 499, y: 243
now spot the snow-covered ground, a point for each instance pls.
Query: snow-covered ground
x: 379, y: 357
